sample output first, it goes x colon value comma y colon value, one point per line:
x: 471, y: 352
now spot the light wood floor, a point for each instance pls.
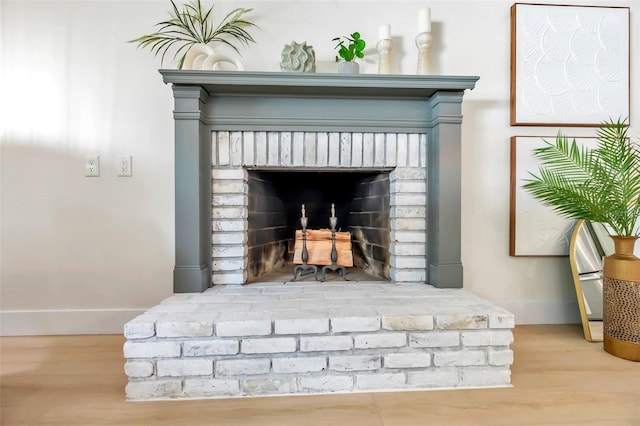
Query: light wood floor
x: 558, y: 378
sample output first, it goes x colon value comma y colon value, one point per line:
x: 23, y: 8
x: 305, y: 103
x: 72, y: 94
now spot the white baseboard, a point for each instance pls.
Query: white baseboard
x: 543, y: 311
x: 67, y: 321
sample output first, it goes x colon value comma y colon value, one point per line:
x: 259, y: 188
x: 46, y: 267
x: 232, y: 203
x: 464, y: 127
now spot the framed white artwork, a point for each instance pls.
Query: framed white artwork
x: 534, y: 228
x: 569, y: 64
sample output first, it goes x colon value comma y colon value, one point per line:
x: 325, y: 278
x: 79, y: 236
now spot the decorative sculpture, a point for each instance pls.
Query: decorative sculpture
x: 298, y: 57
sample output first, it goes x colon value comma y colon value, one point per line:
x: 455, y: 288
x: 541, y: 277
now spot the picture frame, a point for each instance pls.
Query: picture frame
x: 570, y: 65
x: 534, y: 228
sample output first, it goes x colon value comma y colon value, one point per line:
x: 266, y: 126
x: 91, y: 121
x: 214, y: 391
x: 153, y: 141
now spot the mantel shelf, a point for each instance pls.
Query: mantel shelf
x: 319, y: 84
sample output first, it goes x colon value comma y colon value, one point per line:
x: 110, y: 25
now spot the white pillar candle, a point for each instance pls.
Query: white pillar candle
x: 424, y: 20
x: 384, y: 32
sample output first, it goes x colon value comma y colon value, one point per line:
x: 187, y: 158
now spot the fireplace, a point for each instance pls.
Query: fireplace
x: 232, y: 127
x: 250, y: 149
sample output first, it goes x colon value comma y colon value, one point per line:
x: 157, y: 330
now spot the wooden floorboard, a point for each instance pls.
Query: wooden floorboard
x: 558, y: 379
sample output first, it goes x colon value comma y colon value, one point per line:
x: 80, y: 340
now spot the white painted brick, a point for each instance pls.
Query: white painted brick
x: 298, y: 364
x: 334, y: 149
x: 414, y: 150
x: 461, y: 322
x: 322, y: 149
x: 181, y: 325
x: 407, y: 322
x: 381, y: 381
x: 298, y: 148
x: 138, y: 368
x: 408, y: 212
x: 223, y: 148
x: 439, y: 378
x: 235, y: 147
x: 485, y: 377
x: 301, y: 326
x: 408, y: 249
x: 229, y: 225
x: 260, y: 144
x: 409, y: 275
x: 150, y: 389
x: 391, y: 150
x: 367, y: 150
x: 355, y: 362
x: 411, y: 224
x: 234, y: 367
x: 229, y: 200
x: 501, y: 320
x: 228, y: 251
x: 424, y: 158
x: 231, y: 278
x: 357, y: 150
x: 227, y: 264
x: 243, y: 328
x: 220, y: 187
x: 326, y: 383
x: 194, y: 388
x: 210, y: 347
x: 407, y: 360
x: 182, y: 367
x: 408, y: 173
x: 273, y: 148
x: 229, y: 174
x: 503, y: 357
x: 459, y: 358
x: 345, y: 149
x: 151, y: 350
x: 409, y: 199
x: 403, y: 150
x: 141, y: 327
x: 486, y: 338
x: 380, y: 340
x: 228, y: 212
x: 248, y: 156
x: 409, y: 262
x: 325, y: 343
x: 269, y: 386
x: 409, y: 236
x: 285, y: 149
x: 238, y: 237
x: 379, y: 150
x: 434, y: 340
x: 355, y: 324
x: 310, y: 149
x: 409, y: 186
x: 272, y: 345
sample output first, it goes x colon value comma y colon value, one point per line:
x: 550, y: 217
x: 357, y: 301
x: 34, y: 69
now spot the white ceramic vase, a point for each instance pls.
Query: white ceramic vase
x: 350, y: 67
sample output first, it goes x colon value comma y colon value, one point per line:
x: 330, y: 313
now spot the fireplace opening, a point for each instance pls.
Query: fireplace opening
x: 362, y: 207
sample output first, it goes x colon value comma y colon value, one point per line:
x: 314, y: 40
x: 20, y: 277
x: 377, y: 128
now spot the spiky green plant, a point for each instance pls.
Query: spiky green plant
x: 193, y: 25
x: 600, y: 184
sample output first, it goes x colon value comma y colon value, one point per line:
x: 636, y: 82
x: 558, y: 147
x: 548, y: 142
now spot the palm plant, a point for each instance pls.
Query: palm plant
x: 600, y: 184
x: 192, y: 25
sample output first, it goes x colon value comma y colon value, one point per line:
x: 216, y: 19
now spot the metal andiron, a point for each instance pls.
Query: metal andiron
x: 305, y: 268
x: 333, y: 221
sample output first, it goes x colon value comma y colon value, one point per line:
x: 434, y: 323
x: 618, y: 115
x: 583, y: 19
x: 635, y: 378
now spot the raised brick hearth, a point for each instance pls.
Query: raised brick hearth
x: 305, y: 338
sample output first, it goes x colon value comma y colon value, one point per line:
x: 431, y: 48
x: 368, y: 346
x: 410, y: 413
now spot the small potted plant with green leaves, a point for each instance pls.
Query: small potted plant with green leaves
x: 349, y: 48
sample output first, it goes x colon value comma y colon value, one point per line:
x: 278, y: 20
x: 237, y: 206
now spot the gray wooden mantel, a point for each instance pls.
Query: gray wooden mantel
x: 207, y: 101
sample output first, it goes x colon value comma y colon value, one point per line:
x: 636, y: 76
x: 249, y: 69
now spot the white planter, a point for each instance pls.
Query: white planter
x: 348, y: 67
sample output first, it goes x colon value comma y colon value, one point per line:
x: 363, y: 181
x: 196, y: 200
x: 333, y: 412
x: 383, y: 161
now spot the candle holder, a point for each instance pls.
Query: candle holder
x: 384, y: 55
x: 423, y: 42
x: 333, y: 222
x: 304, y: 269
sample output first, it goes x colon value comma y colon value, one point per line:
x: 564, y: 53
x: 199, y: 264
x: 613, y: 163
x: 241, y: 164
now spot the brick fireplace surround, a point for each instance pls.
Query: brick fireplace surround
x: 220, y: 336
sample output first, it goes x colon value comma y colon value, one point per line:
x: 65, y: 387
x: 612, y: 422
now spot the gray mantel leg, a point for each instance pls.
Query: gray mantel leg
x: 444, y: 186
x: 192, y: 271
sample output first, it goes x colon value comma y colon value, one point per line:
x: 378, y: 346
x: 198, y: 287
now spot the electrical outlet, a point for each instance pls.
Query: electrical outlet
x: 124, y: 165
x: 92, y: 165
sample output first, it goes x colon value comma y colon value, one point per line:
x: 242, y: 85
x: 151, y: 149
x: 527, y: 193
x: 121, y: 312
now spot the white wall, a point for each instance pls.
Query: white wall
x: 84, y: 255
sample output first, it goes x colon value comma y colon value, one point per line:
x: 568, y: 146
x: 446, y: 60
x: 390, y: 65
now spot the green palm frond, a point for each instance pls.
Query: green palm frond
x: 600, y: 184
x: 192, y: 25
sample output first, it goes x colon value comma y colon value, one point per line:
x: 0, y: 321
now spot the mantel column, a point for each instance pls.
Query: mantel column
x: 192, y: 272
x: 444, y: 186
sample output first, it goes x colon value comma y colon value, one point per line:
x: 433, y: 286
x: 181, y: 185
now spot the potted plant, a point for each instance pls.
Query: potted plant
x: 349, y: 48
x: 601, y: 185
x: 192, y: 27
